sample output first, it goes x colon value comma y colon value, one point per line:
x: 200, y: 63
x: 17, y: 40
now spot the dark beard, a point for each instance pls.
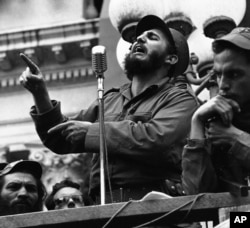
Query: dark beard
x: 6, y: 209
x: 134, y: 66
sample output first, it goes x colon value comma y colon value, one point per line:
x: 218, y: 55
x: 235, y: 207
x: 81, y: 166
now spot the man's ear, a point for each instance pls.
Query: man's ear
x: 171, y: 59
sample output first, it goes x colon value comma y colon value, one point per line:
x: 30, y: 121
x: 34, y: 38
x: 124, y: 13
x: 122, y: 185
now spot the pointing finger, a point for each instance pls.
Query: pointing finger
x: 33, y: 67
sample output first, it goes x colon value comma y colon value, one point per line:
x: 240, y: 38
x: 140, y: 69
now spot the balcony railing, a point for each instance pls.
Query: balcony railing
x: 63, y: 51
x: 196, y: 208
x: 76, y: 31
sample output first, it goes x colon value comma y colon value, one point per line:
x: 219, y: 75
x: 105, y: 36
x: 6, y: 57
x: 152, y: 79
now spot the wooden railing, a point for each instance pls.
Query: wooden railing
x: 203, y: 207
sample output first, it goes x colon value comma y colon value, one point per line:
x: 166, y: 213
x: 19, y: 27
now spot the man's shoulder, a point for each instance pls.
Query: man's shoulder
x: 117, y: 89
x: 112, y: 90
x: 184, y: 89
x: 183, y: 94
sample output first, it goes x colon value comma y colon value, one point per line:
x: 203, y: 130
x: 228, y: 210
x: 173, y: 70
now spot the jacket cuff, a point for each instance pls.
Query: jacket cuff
x: 50, y: 118
x: 92, y: 138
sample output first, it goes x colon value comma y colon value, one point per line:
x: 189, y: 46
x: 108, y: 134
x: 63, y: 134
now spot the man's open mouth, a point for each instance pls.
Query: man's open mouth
x: 139, y: 49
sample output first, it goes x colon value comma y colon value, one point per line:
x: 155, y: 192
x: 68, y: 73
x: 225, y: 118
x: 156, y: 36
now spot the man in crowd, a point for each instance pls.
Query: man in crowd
x: 21, y: 189
x: 66, y: 194
x: 217, y: 156
x: 146, y: 120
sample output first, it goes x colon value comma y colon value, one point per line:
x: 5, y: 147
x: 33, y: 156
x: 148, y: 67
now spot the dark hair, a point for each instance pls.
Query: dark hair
x: 220, y: 46
x: 65, y: 183
x: 49, y: 202
x: 41, y: 191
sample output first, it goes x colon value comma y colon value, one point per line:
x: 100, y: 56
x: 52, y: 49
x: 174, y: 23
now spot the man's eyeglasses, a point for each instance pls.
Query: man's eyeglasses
x: 64, y: 200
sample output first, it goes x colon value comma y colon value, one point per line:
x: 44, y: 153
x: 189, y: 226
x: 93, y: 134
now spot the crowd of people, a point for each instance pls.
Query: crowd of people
x: 22, y: 190
x: 158, y: 136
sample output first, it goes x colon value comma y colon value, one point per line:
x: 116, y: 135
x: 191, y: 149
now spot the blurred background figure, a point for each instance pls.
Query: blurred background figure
x: 21, y: 189
x: 66, y: 194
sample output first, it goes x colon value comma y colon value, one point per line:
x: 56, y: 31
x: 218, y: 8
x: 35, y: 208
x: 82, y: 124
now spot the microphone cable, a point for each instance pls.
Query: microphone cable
x: 192, y: 202
x: 107, y: 164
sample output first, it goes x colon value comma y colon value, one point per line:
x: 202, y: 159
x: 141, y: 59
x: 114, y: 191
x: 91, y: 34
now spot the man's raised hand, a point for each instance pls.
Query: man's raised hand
x: 32, y: 78
x: 218, y: 106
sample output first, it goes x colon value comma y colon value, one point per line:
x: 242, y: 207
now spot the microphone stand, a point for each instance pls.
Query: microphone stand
x: 100, y: 91
x: 99, y: 66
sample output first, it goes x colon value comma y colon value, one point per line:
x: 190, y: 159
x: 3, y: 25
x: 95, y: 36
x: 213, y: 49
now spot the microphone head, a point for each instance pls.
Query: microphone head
x: 99, y: 60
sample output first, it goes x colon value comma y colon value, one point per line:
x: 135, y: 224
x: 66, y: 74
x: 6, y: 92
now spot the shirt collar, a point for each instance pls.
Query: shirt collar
x: 125, y: 89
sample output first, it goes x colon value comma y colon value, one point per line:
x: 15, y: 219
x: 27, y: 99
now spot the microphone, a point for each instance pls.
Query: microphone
x: 99, y: 60
x: 99, y: 66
